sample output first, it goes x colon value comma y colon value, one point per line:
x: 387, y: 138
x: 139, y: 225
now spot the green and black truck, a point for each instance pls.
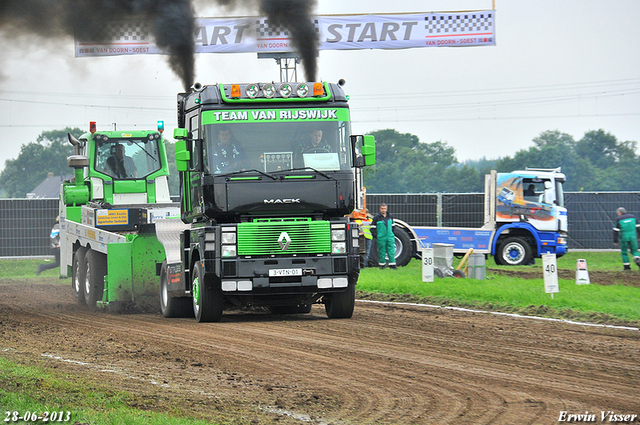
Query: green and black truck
x: 268, y: 173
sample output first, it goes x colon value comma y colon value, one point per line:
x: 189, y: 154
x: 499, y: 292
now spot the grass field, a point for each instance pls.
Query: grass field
x: 31, y: 389
x: 615, y: 303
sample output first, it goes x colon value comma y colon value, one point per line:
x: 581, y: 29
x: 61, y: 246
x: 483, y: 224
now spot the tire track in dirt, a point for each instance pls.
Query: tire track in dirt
x: 388, y: 365
x: 370, y: 399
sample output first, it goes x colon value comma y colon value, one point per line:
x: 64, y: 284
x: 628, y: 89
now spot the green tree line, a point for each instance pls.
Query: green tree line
x: 596, y: 162
x: 48, y: 154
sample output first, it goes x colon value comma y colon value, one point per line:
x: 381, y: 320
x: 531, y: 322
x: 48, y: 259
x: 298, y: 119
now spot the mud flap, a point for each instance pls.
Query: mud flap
x: 131, y: 274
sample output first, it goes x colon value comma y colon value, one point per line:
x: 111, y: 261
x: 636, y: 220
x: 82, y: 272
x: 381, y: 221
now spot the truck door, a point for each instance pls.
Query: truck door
x: 192, y: 179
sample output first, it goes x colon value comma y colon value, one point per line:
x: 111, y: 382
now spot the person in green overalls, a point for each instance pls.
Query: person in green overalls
x: 626, y: 230
x: 382, y: 226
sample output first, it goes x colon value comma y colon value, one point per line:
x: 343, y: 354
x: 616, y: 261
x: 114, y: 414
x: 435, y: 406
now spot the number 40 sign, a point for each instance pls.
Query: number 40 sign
x: 550, y: 272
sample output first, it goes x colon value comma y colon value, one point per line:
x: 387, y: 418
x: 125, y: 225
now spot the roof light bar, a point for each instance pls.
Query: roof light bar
x: 318, y: 89
x: 252, y: 90
x: 273, y: 92
x: 285, y: 90
x: 302, y: 90
x: 269, y: 90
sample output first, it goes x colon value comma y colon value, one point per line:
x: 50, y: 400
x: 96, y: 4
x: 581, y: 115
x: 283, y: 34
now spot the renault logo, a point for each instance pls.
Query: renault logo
x: 284, y: 240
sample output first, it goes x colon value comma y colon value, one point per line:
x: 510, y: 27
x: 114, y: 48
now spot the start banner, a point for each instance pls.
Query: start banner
x: 335, y: 32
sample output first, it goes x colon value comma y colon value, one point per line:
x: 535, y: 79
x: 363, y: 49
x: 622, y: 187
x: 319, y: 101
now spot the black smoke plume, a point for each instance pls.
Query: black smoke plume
x: 172, y: 22
x: 295, y: 15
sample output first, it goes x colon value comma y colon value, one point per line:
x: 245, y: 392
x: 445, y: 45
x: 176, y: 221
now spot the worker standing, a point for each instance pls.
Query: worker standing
x: 382, y: 226
x: 365, y: 229
x: 626, y: 230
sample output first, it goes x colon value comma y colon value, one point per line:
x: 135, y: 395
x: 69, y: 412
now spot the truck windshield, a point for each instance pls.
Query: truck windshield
x: 127, y: 158
x: 276, y: 145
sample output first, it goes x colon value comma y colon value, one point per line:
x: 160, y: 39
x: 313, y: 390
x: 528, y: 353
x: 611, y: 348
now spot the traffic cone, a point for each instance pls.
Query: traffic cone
x: 582, y: 274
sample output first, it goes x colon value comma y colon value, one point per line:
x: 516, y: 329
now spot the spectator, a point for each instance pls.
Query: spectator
x: 626, y: 230
x: 382, y: 227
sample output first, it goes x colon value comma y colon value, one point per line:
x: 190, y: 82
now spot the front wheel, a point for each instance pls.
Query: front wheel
x: 340, y: 305
x: 514, y: 252
x: 207, y: 297
x: 170, y: 306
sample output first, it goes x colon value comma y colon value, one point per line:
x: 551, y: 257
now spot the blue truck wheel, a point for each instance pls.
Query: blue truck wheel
x: 514, y: 252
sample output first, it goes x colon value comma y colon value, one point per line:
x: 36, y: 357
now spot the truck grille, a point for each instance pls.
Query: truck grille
x: 306, y: 236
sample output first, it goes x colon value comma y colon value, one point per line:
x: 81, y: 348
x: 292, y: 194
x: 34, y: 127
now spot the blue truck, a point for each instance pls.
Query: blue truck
x: 524, y: 218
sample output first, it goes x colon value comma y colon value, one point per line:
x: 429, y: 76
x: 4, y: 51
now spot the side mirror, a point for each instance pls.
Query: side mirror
x: 183, y: 156
x: 364, y: 150
x: 549, y: 193
x: 369, y: 150
x: 180, y: 133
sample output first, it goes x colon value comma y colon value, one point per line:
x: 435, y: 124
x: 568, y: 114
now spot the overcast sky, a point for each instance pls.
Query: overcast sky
x: 569, y: 65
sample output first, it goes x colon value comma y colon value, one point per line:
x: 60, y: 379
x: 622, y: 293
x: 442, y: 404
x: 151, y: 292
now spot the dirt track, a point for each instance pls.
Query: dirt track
x: 386, y: 365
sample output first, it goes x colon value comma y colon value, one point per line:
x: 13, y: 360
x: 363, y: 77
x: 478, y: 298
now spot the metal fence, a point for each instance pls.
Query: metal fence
x: 25, y: 224
x: 591, y: 214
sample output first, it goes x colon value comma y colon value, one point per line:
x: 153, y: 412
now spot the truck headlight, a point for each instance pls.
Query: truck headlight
x: 338, y: 234
x: 338, y: 248
x: 229, y: 251
x: 228, y: 237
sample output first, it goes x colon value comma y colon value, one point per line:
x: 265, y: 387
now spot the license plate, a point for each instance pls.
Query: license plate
x: 285, y: 272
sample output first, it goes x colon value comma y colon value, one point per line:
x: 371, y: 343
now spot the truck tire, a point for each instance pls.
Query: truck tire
x: 404, y: 249
x: 170, y: 306
x: 340, y: 305
x: 513, y: 252
x: 78, y: 275
x: 207, y: 298
x: 95, y: 267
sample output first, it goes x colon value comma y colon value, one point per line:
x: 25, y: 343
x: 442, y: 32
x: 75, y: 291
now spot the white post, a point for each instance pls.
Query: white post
x: 582, y: 274
x: 550, y: 271
x: 427, y: 265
